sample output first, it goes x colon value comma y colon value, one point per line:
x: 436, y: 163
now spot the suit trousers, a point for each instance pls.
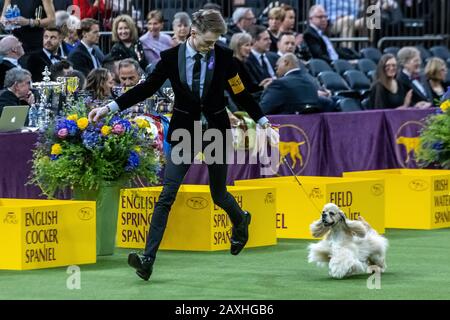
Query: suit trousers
x: 173, y: 177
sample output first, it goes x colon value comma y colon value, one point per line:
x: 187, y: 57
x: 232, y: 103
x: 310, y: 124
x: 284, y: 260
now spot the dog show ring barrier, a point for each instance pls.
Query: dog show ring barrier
x: 298, y: 206
x: 415, y: 198
x: 37, y: 234
x: 195, y: 222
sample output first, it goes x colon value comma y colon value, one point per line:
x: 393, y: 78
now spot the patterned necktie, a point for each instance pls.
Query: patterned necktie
x: 196, y: 75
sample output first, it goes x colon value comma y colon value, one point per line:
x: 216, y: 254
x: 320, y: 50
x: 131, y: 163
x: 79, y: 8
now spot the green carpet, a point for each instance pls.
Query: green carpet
x: 418, y: 268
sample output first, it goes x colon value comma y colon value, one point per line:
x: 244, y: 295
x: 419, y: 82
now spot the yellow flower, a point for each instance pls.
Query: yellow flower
x: 106, y: 130
x: 73, y: 117
x: 56, y: 149
x: 82, y: 123
x: 142, y: 123
x: 445, y: 105
x: 137, y: 149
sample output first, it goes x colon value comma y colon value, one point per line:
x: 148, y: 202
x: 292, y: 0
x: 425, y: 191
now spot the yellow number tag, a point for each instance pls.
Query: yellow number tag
x: 236, y: 84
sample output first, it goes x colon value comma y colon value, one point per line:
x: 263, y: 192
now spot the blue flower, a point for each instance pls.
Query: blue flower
x: 117, y: 120
x: 438, y: 111
x: 70, y: 125
x: 90, y: 139
x: 133, y: 161
x: 439, y: 145
x: 54, y: 157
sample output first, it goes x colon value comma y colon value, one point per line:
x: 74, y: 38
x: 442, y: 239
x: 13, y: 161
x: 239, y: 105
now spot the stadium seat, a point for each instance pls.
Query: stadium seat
x: 372, y: 54
x: 448, y: 63
x: 357, y: 80
x: 371, y: 75
x: 340, y: 66
x: 316, y: 66
x: 366, y: 65
x: 333, y: 82
x: 391, y: 50
x: 349, y: 105
x: 440, y: 52
x: 365, y: 104
x: 424, y: 53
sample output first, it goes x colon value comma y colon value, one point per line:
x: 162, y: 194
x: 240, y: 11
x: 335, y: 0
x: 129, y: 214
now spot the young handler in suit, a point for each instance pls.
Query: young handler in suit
x: 199, y: 71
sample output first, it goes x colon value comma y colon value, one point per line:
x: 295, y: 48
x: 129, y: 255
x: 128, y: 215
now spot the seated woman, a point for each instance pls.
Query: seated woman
x: 181, y: 26
x: 127, y: 44
x: 387, y: 92
x: 241, y: 44
x: 100, y: 82
x: 436, y: 72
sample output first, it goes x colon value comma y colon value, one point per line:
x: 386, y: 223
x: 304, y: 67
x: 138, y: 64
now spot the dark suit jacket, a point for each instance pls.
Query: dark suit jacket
x: 81, y: 58
x: 187, y: 108
x: 36, y: 64
x: 289, y: 94
x: 316, y: 45
x: 255, y: 69
x: 417, y: 94
x: 7, y: 98
x: 5, y: 65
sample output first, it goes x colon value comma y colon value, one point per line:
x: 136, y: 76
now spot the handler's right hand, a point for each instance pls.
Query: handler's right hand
x: 98, y: 113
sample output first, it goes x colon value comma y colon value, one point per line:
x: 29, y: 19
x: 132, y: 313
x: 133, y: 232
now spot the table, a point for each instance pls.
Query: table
x: 327, y: 144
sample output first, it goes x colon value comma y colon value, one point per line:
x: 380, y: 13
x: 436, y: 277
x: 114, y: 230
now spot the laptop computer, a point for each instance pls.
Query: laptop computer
x: 13, y: 118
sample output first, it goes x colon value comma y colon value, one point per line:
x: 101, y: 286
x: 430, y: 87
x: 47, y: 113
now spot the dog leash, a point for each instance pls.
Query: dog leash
x: 300, y: 184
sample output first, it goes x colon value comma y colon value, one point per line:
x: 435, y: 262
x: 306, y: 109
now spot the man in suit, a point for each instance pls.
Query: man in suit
x: 410, y: 77
x: 242, y: 18
x: 260, y: 65
x: 11, y: 50
x: 292, y: 92
x: 47, y: 56
x: 87, y: 55
x: 318, y: 43
x: 199, y: 71
x: 18, y: 89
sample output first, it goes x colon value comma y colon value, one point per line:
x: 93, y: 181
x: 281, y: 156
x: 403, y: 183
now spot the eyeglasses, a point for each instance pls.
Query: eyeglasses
x: 321, y: 17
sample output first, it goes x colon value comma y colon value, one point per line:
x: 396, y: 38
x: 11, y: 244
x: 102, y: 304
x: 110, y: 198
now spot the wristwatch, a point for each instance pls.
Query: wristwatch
x: 266, y: 125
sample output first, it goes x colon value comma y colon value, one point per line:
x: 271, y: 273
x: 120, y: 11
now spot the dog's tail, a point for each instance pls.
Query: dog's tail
x: 365, y: 223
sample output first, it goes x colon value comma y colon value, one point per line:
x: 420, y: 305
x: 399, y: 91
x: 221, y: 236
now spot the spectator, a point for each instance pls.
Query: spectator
x: 154, y: 41
x: 387, y: 92
x: 47, y: 56
x: 288, y: 22
x: 436, y: 73
x: 276, y: 16
x: 129, y: 73
x: 126, y: 42
x: 319, y: 44
x: 258, y: 63
x: 343, y: 17
x: 87, y: 55
x: 36, y: 15
x: 286, y: 44
x: 68, y: 24
x: 96, y: 9
x: 241, y: 44
x: 11, y: 50
x: 181, y: 27
x: 292, y: 92
x: 100, y: 82
x: 243, y: 18
x: 60, y: 69
x: 410, y: 77
x: 18, y: 89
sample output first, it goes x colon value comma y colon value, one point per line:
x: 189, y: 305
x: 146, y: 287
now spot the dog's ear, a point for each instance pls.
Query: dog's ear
x: 342, y: 214
x: 318, y: 229
x: 356, y: 227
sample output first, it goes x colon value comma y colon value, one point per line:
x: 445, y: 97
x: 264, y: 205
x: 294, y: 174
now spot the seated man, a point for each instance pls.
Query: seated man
x: 17, y: 92
x: 129, y: 72
x: 293, y: 92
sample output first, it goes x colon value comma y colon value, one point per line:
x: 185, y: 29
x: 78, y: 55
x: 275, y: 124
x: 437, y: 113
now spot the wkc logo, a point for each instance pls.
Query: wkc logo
x: 197, y: 203
x: 294, y: 148
x: 86, y: 213
x: 10, y: 218
x: 407, y: 143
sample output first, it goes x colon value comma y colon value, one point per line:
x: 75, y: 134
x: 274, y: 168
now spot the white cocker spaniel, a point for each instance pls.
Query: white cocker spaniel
x: 349, y: 247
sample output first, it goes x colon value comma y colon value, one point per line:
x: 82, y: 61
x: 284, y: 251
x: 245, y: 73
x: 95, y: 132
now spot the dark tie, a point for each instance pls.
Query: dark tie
x: 264, y: 67
x: 196, y: 75
x: 54, y: 56
x: 97, y: 64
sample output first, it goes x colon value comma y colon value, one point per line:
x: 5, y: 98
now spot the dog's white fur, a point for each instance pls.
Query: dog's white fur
x: 349, y: 247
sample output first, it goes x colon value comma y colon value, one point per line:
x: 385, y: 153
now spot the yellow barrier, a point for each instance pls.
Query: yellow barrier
x: 38, y: 234
x: 415, y: 198
x: 297, y: 208
x: 195, y: 223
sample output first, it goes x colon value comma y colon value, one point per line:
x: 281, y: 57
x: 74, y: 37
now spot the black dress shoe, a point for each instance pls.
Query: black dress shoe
x: 239, y: 234
x: 143, y: 266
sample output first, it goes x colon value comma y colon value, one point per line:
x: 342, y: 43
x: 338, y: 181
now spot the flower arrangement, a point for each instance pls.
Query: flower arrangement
x: 72, y: 152
x: 434, y: 146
